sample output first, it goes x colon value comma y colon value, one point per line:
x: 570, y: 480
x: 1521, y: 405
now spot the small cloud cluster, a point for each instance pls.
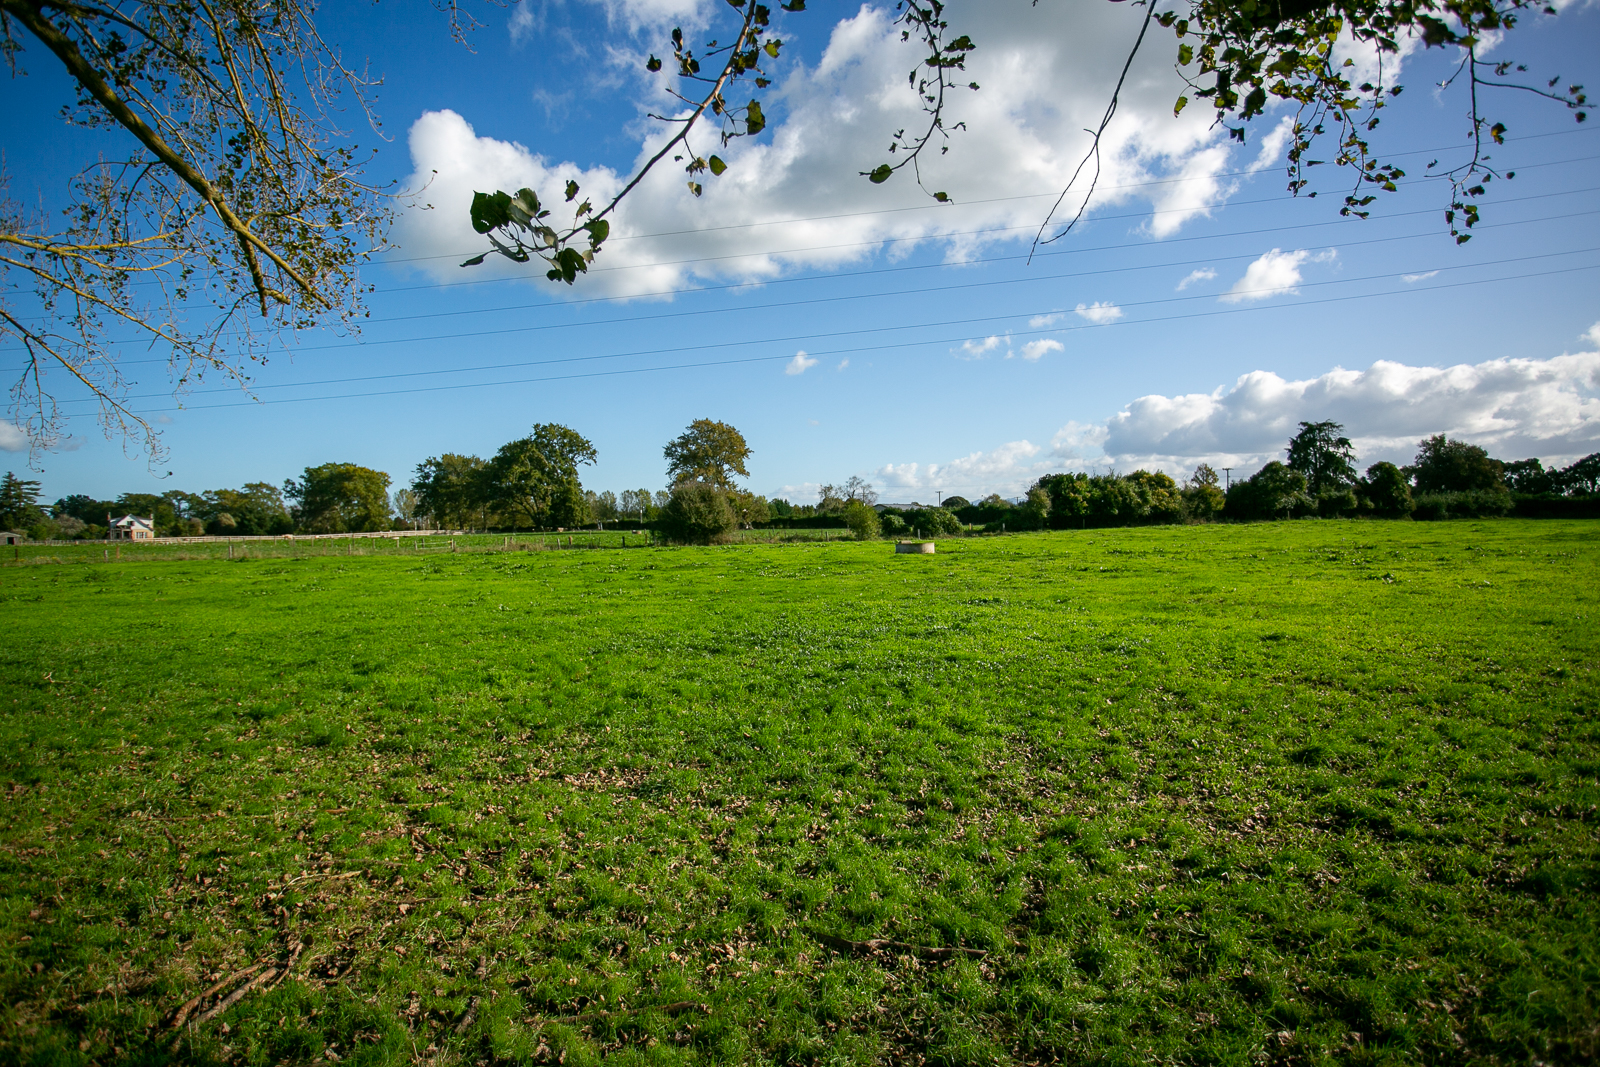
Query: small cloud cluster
x: 800, y: 363
x: 1276, y: 273
x: 1100, y: 312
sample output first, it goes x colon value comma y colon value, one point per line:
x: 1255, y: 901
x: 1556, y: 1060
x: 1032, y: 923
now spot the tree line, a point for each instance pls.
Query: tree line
x: 534, y: 483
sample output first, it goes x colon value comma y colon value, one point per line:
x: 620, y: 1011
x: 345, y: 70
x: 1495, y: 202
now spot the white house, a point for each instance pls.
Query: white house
x: 131, y: 528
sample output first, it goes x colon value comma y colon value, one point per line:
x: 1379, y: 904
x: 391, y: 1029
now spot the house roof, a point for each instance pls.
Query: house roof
x: 134, y: 520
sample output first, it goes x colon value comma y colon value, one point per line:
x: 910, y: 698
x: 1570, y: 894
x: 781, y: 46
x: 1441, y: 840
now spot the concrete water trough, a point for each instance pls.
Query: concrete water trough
x: 921, y: 548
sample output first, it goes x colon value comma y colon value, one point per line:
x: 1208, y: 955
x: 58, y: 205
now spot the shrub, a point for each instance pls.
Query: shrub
x: 891, y: 524
x: 934, y: 521
x: 862, y: 520
x: 1273, y: 492
x: 698, y: 513
x: 1477, y: 504
x: 1335, y: 502
x: 1386, y: 491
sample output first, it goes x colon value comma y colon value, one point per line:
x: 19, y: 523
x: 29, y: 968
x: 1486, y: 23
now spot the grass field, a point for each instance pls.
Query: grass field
x: 1303, y: 792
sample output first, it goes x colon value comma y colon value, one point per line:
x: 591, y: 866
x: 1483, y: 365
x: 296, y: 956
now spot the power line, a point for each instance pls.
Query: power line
x: 964, y: 286
x: 844, y: 351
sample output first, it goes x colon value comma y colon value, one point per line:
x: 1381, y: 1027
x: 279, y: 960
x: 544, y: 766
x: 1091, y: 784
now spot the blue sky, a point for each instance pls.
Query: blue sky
x: 847, y: 328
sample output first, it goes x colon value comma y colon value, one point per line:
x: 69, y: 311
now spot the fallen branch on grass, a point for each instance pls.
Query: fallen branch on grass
x: 237, y: 995
x: 878, y: 944
x: 182, y: 1014
x: 467, y: 1017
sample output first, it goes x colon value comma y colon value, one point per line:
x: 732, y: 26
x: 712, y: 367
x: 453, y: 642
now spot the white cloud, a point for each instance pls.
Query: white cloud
x: 1412, y: 279
x: 1040, y: 322
x: 1035, y: 350
x: 976, y: 349
x: 12, y: 439
x: 799, y: 364
x: 992, y: 471
x: 1516, y: 408
x: 1592, y: 335
x: 1044, y: 70
x: 1276, y: 273
x: 1100, y: 312
x: 1203, y: 274
x: 843, y: 363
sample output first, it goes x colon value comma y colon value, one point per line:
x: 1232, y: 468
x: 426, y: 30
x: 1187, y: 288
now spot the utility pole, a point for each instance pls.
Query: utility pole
x: 1228, y: 472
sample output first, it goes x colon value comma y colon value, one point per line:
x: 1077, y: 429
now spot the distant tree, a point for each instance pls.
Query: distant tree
x: 340, y: 498
x: 535, y: 478
x: 1324, y: 456
x: 955, y: 503
x: 780, y: 509
x: 698, y: 513
x: 256, y: 509
x: 602, y: 506
x: 931, y: 522
x: 830, y: 500
x: 1446, y: 466
x: 662, y: 498
x: 404, y: 504
x: 1159, y: 498
x: 863, y: 520
x: 1529, y: 476
x: 19, y: 503
x: 635, y: 502
x: 892, y: 524
x: 449, y: 489
x: 1202, y: 496
x: 1275, y: 491
x: 858, y: 490
x: 1387, y: 491
x: 84, y: 508
x: 708, y: 451
x: 1582, y: 478
x: 748, y: 508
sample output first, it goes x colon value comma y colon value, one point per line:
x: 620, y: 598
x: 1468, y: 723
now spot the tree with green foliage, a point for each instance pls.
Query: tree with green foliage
x: 535, y: 479
x: 698, y: 513
x: 863, y: 520
x: 254, y: 510
x: 1446, y: 466
x: 1203, y: 498
x: 1324, y: 456
x: 19, y: 503
x: 708, y: 451
x: 635, y: 502
x: 449, y: 489
x: 1276, y: 491
x: 1387, y: 491
x: 340, y: 498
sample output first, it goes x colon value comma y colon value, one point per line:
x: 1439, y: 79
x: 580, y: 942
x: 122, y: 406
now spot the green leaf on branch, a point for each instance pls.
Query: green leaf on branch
x: 695, y: 188
x: 754, y: 120
x: 1177, y: 109
x: 716, y: 164
x: 880, y: 174
x: 568, y: 265
x: 475, y: 260
x: 652, y: 64
x: 599, y: 230
x: 772, y: 46
x: 572, y: 191
x: 490, y: 210
x: 1185, y: 55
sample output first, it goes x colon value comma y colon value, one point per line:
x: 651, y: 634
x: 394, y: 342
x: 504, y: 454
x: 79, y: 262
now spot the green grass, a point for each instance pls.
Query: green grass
x: 1305, y: 792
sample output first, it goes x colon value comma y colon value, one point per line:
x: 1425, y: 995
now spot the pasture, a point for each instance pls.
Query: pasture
x: 1307, y: 792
